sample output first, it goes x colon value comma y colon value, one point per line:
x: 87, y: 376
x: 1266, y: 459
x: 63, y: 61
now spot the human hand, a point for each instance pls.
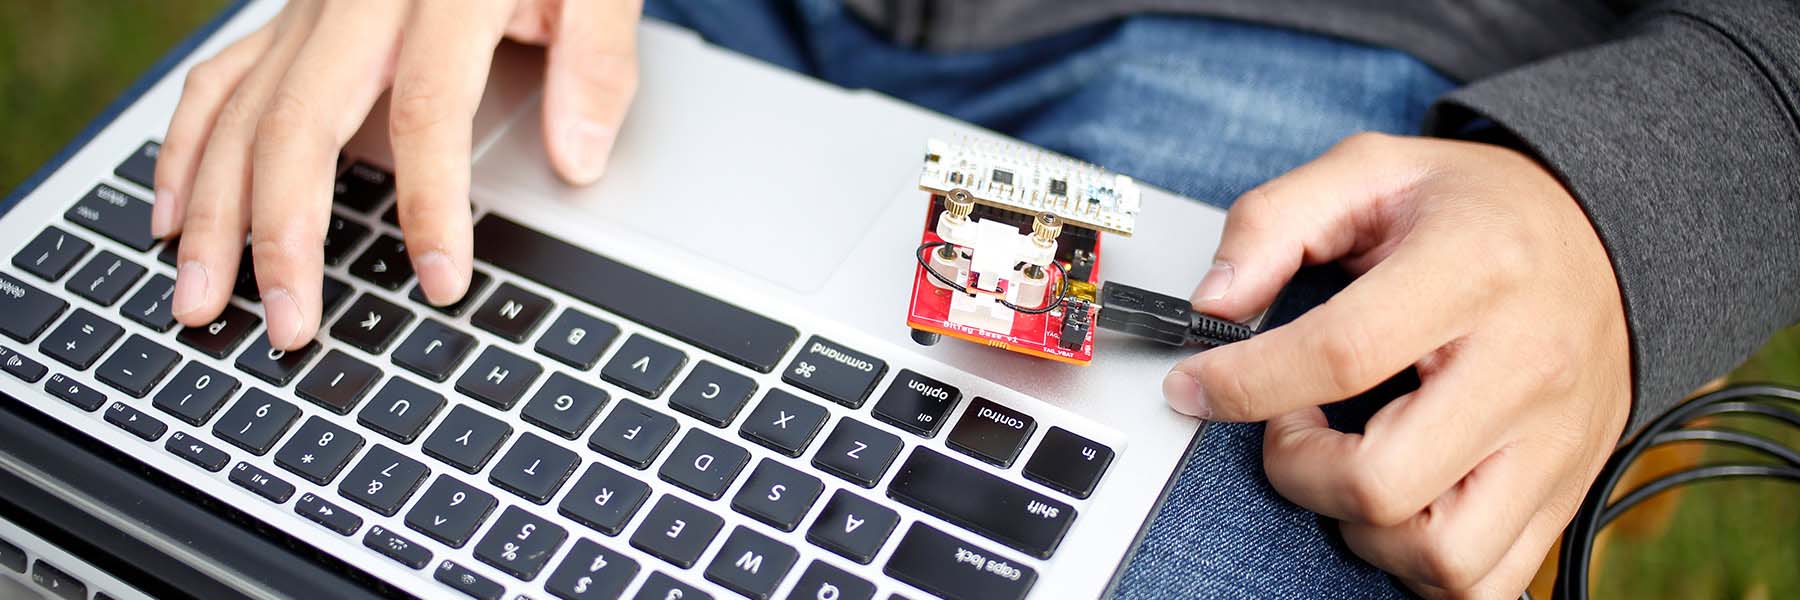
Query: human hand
x: 255, y: 138
x: 1480, y: 269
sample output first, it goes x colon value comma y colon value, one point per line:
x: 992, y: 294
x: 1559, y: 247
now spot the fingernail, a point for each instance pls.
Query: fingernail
x: 190, y: 288
x: 439, y: 278
x: 1216, y: 282
x: 587, y: 145
x: 162, y: 214
x: 284, y: 317
x: 1183, y: 393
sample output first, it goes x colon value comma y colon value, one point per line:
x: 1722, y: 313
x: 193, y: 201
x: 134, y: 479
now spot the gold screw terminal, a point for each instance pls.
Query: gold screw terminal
x: 958, y: 204
x: 1045, y: 229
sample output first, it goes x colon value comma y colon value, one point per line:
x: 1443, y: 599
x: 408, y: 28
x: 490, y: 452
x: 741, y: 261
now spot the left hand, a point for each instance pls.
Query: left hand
x: 1479, y: 268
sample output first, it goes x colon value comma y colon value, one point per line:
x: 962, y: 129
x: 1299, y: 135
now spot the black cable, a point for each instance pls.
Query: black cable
x: 1736, y: 438
x: 1576, y: 556
x: 1062, y: 287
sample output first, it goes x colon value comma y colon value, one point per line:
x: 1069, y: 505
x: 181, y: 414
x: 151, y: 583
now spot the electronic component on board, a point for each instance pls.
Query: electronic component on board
x: 1010, y: 252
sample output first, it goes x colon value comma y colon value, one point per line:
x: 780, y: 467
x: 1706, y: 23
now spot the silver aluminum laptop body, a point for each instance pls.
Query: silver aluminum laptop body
x: 782, y: 195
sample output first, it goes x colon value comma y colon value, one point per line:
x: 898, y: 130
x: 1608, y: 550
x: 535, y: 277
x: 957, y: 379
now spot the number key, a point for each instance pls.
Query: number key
x: 196, y: 393
x: 383, y: 480
x: 256, y: 421
x: 591, y: 572
x: 520, y: 543
x: 450, y: 511
x: 318, y: 451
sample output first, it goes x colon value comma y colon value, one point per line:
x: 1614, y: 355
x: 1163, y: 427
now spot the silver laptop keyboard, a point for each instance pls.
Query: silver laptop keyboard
x: 629, y: 380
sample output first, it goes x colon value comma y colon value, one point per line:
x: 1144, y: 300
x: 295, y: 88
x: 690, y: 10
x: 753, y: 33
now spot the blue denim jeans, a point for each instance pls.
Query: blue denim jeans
x: 1206, y: 108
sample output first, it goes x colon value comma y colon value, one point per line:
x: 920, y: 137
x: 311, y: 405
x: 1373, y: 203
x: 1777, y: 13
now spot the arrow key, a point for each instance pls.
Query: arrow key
x: 371, y: 324
x: 195, y: 451
x: 385, y: 263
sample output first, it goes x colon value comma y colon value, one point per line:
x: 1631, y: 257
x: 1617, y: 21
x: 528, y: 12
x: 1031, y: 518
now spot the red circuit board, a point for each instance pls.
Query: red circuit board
x: 1035, y: 335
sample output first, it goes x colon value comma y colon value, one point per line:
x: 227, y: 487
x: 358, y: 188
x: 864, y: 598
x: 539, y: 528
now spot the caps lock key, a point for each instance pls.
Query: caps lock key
x: 834, y: 372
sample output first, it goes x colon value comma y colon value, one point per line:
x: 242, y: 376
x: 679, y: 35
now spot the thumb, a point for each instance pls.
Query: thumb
x: 587, y: 91
x: 1307, y: 216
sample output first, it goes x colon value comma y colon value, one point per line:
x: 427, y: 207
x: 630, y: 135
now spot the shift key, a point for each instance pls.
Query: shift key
x: 970, y: 497
x: 834, y: 372
x: 114, y: 214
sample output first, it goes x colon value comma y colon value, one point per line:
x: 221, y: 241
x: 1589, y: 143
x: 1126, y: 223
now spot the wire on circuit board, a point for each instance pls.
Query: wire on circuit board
x: 1062, y: 278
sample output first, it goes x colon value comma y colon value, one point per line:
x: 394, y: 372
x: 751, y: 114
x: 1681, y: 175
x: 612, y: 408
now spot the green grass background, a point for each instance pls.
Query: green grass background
x: 62, y: 61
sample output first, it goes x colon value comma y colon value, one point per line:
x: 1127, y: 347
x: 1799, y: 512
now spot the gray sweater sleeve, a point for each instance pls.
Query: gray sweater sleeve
x: 1681, y: 140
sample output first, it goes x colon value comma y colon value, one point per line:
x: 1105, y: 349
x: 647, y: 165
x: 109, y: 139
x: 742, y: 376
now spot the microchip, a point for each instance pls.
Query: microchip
x: 1002, y: 176
x: 1059, y: 187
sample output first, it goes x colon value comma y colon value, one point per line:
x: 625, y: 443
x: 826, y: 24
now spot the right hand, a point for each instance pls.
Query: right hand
x: 254, y: 141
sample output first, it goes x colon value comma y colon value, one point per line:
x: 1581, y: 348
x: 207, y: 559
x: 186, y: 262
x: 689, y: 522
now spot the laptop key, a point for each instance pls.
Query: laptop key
x: 57, y: 582
x: 1068, y: 463
x: 470, y: 583
x: 704, y: 464
x: 332, y: 292
x: 401, y: 410
x: 660, y: 586
x: 633, y: 434
x: 971, y: 498
x: 433, y: 350
x: 938, y: 563
x: 821, y: 580
x: 318, y: 451
x: 362, y: 187
x: 520, y: 543
x: 511, y: 312
x: 318, y: 510
x: 852, y: 526
x: 991, y: 432
x: 467, y: 439
x: 51, y: 253
x: 498, y: 378
x: 150, y: 305
x: 857, y: 452
x: 277, y: 367
x: 643, y: 366
x: 751, y: 564
x: 12, y: 557
x: 577, y: 339
x: 450, y: 511
x: 261, y: 483
x: 385, y: 263
x: 397, y: 547
x: 370, y: 324
x: 105, y: 279
x: 477, y: 281
x: 140, y: 167
x: 383, y: 480
x: 338, y: 382
x: 138, y: 365
x: 132, y: 420
x: 534, y: 468
x: 712, y: 394
x: 591, y: 572
x: 21, y: 367
x: 199, y: 453
x: 739, y: 335
x: 256, y: 421
x: 783, y: 422
x: 245, y: 286
x: 777, y: 495
x: 195, y: 393
x: 81, y: 395
x: 834, y: 372
x: 604, y: 499
x: 220, y: 337
x: 564, y: 405
x: 119, y: 216
x: 341, y: 235
x: 25, y: 310
x: 81, y: 339
x: 916, y: 403
x: 676, y: 531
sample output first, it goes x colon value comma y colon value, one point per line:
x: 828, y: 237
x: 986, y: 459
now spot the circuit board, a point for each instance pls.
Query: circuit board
x: 1031, y: 181
x: 1039, y: 335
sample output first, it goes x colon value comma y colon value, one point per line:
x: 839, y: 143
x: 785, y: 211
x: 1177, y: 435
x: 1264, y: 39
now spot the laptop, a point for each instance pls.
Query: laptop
x: 632, y: 403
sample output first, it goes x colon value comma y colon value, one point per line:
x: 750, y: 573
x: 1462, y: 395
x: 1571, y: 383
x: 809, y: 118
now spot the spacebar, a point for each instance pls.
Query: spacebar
x: 742, y: 336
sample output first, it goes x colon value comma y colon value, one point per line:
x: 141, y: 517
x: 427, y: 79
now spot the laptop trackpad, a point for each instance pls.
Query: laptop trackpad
x: 787, y: 209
